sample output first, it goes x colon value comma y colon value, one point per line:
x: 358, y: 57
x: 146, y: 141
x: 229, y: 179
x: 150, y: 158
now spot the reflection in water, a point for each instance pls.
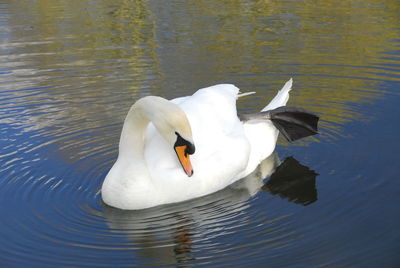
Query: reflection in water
x: 183, y: 244
x: 170, y: 234
x: 293, y: 181
x: 82, y: 52
x: 69, y: 73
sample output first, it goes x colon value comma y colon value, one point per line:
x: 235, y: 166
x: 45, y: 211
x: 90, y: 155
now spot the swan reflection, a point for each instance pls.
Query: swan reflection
x: 169, y: 234
x: 294, y: 182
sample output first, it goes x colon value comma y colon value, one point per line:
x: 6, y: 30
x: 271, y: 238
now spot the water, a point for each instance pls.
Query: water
x: 70, y: 71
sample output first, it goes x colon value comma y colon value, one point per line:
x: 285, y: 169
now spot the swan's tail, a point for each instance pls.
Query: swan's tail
x: 281, y: 97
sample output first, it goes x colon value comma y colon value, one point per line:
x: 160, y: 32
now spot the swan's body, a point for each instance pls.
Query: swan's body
x: 148, y: 172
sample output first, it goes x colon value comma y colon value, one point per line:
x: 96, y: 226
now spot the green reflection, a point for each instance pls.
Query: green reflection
x: 138, y: 47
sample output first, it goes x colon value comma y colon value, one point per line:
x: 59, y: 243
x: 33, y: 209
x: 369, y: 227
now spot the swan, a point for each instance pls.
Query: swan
x: 175, y: 150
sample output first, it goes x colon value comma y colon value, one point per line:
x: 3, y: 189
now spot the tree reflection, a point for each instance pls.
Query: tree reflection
x: 172, y: 49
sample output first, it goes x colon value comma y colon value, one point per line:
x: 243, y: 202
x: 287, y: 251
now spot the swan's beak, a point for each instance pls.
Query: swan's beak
x: 184, y: 159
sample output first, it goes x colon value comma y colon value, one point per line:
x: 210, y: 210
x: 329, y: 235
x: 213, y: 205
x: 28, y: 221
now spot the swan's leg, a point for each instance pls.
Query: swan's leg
x: 293, y: 123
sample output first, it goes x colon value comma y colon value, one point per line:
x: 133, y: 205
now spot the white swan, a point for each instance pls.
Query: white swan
x: 171, y: 151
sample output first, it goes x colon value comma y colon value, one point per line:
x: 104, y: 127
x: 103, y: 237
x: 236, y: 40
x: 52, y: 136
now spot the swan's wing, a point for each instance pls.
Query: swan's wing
x: 218, y: 134
x: 222, y: 149
x: 226, y: 149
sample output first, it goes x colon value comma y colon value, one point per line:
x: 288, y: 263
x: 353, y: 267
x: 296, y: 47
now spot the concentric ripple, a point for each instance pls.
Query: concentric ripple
x: 69, y: 73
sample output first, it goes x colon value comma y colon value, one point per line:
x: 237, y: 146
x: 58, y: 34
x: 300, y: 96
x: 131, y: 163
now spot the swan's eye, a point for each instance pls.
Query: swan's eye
x: 190, y: 149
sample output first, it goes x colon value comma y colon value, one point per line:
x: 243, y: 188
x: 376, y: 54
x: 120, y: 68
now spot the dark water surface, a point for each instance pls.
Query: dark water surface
x: 69, y: 71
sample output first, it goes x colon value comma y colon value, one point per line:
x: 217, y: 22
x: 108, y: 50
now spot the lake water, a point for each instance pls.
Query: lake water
x: 70, y: 70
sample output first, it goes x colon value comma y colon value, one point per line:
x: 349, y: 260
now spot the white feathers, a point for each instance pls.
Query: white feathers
x: 245, y: 94
x: 148, y: 173
x: 281, y: 98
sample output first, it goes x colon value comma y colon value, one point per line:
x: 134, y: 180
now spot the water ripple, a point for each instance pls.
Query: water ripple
x: 69, y: 73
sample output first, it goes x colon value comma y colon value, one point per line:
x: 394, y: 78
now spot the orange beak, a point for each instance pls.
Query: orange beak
x: 184, y: 159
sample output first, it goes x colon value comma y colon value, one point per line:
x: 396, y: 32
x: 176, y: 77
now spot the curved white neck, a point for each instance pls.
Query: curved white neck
x: 129, y: 181
x: 131, y: 144
x: 167, y: 118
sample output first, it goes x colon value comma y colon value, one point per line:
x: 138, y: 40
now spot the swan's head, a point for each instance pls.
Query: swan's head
x: 173, y: 125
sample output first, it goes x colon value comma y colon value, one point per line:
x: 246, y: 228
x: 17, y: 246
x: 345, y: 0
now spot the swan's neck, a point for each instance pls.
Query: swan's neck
x: 131, y: 167
x: 131, y: 144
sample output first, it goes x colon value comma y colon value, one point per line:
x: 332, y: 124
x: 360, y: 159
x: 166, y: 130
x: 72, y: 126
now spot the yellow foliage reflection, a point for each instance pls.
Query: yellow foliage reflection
x: 333, y: 50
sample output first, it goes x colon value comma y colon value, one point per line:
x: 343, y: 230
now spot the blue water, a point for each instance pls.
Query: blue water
x: 69, y: 73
